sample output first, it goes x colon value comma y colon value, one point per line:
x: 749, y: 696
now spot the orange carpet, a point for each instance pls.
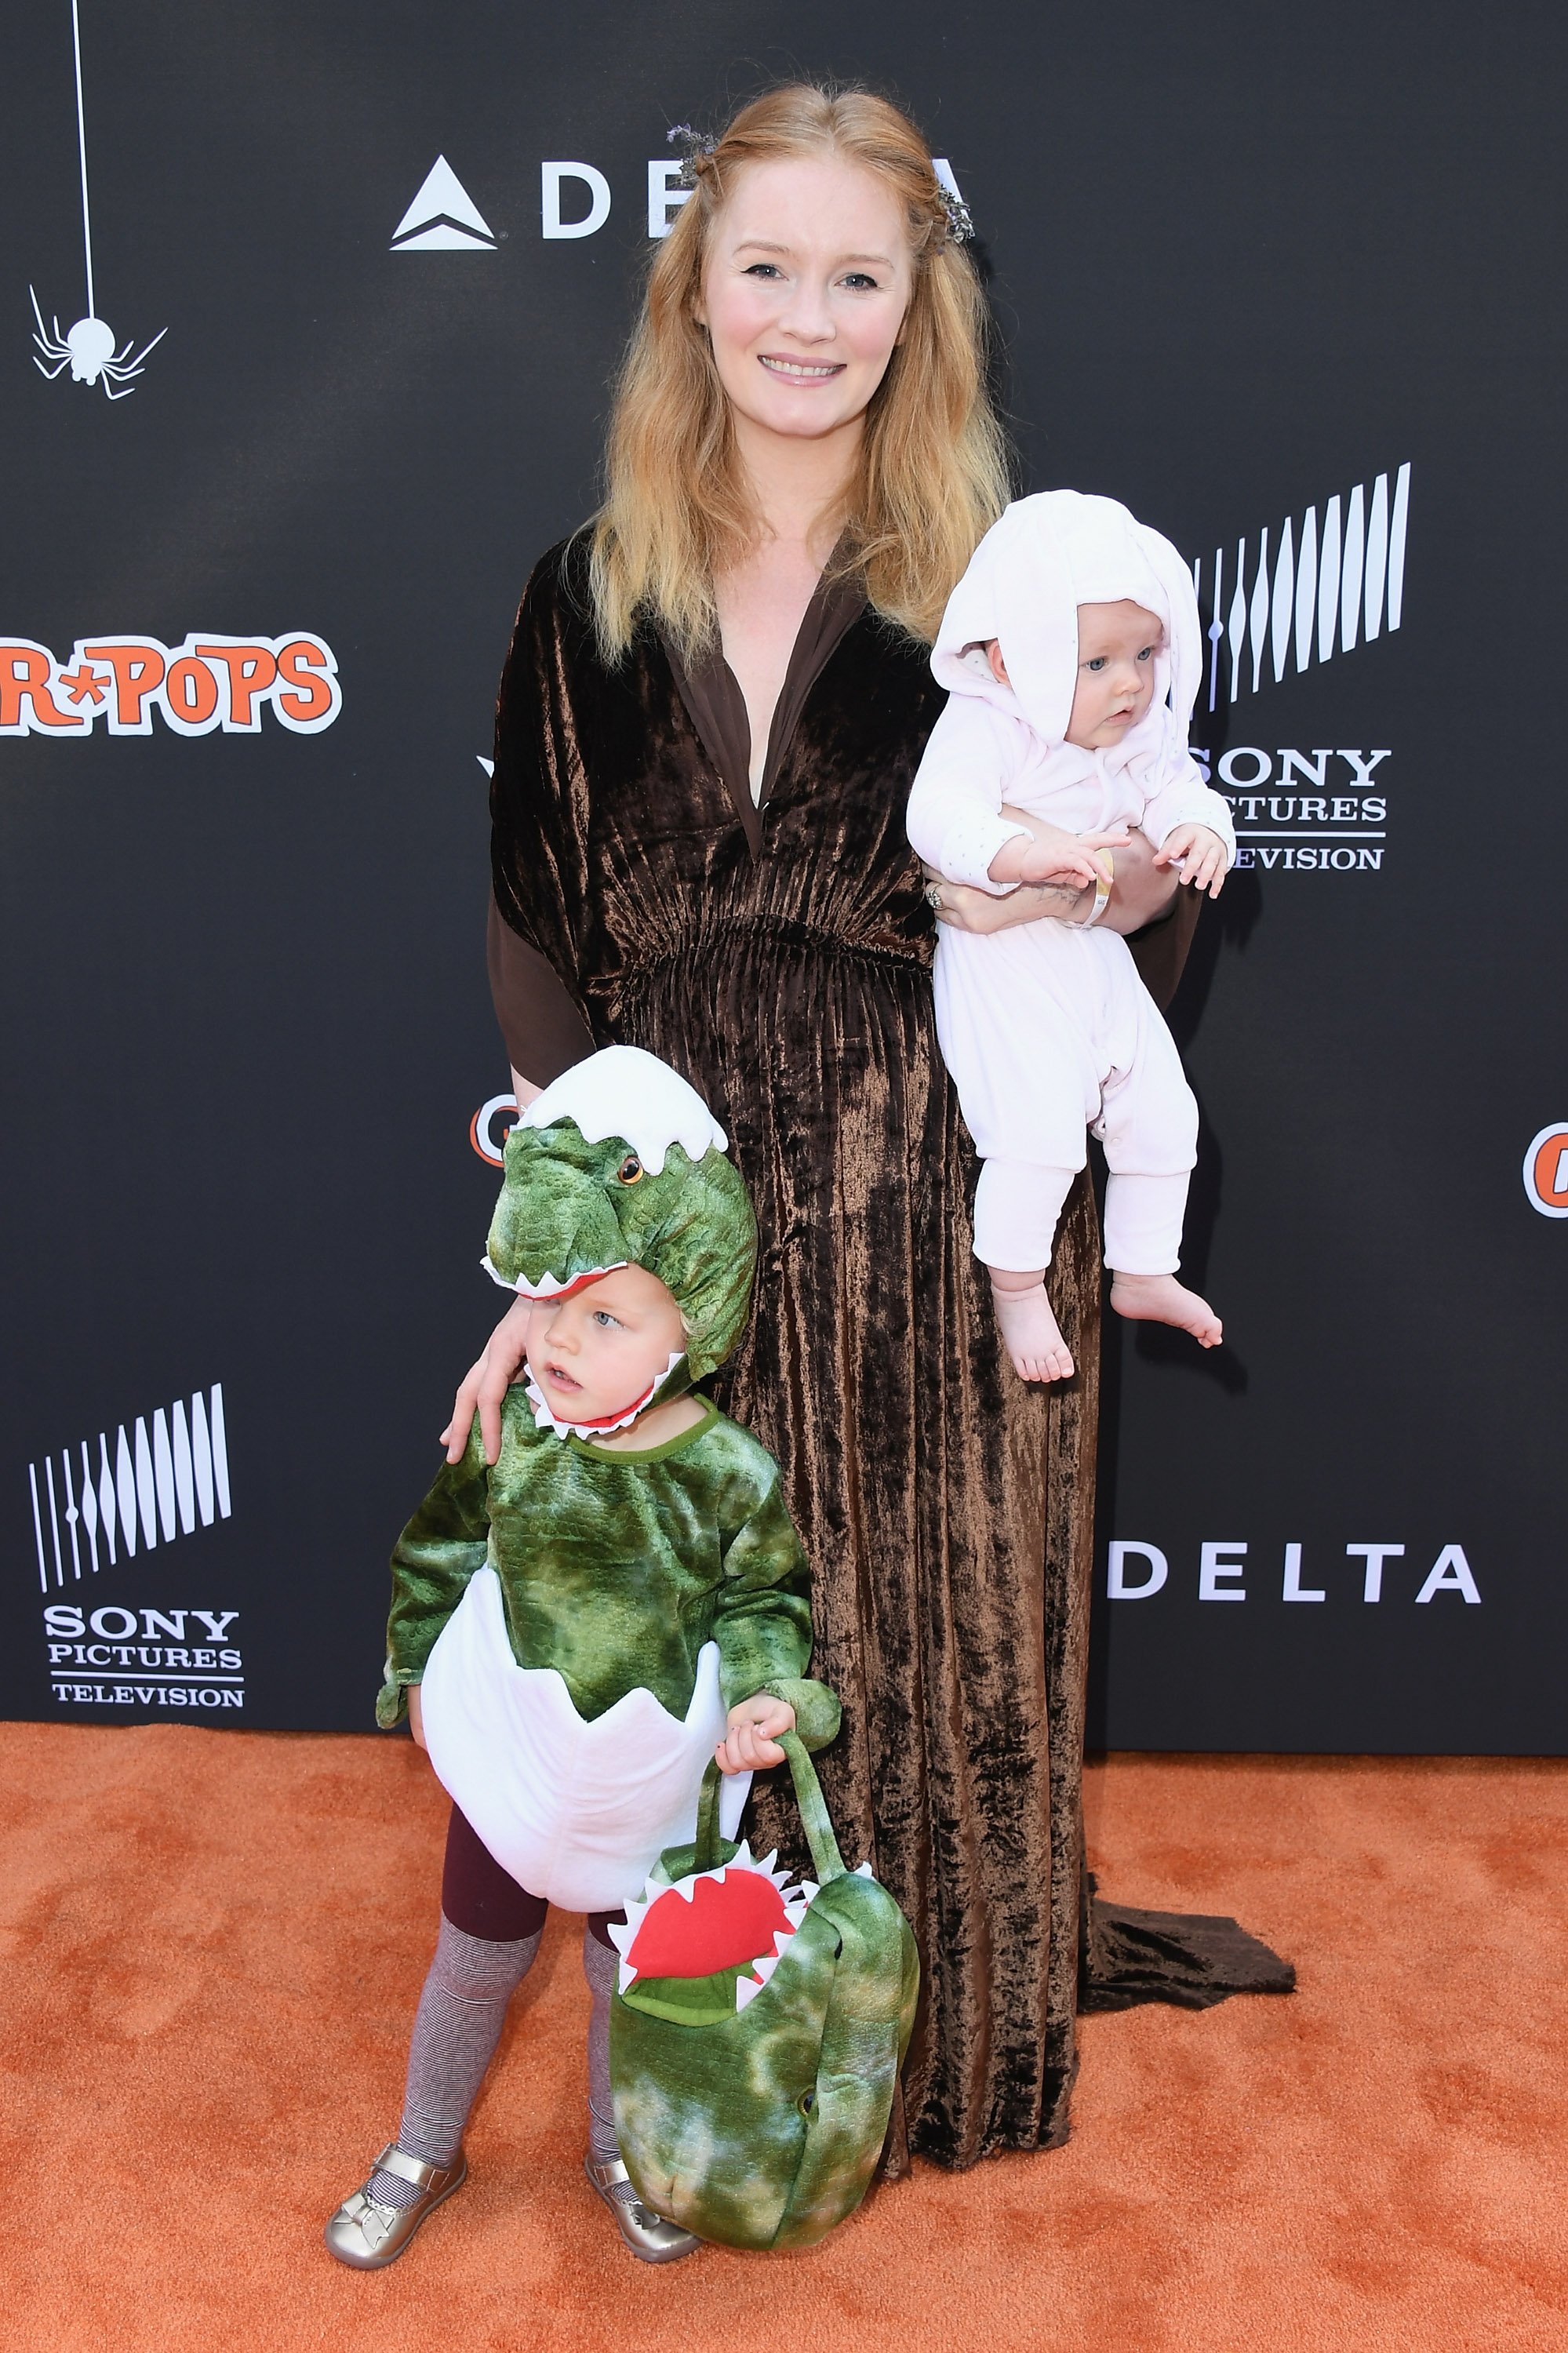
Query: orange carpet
x: 213, y: 1944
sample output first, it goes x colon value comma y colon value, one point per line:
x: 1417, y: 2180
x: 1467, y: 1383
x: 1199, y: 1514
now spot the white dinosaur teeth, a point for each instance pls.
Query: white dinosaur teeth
x: 768, y: 1863
x: 743, y: 1855
x: 626, y: 1975
x: 765, y: 1964
x: 622, y: 1934
x: 809, y: 1890
x: 652, y: 1889
x: 746, y: 1989
x: 782, y: 1939
x: 863, y: 1871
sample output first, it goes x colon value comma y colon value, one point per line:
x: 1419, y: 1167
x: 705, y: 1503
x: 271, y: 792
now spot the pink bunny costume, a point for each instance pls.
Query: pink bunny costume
x: 1046, y: 1028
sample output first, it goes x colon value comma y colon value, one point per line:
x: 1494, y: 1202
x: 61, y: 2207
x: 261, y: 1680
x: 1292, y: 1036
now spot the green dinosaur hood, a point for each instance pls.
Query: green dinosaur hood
x: 619, y: 1162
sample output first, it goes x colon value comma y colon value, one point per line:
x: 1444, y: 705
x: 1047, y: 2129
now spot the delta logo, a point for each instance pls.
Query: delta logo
x: 210, y: 681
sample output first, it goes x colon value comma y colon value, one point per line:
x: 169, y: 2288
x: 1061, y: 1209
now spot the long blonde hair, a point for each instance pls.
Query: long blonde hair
x: 932, y: 474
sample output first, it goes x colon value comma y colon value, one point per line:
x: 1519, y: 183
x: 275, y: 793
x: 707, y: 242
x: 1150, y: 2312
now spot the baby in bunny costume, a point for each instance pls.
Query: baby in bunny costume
x: 1072, y: 649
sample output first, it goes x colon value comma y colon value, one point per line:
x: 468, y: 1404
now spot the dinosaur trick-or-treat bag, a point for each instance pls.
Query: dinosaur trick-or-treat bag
x: 758, y: 2031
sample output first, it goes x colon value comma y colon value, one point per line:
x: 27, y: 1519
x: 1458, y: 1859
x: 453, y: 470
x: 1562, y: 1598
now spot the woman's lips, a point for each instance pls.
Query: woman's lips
x: 800, y: 371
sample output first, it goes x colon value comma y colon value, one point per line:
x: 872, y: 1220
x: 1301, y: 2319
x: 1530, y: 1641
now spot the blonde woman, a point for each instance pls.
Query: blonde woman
x: 714, y: 705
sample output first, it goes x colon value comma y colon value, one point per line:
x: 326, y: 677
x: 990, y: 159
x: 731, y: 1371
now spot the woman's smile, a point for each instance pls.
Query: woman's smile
x: 800, y: 371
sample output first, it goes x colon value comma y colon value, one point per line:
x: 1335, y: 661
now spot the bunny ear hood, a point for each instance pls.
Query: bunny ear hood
x: 621, y: 1162
x: 1044, y: 558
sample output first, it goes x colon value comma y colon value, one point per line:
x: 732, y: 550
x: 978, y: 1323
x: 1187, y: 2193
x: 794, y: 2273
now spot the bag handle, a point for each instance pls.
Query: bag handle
x: 815, y: 1819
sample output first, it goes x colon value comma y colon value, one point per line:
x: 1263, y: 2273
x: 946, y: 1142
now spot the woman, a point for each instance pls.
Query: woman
x: 708, y: 722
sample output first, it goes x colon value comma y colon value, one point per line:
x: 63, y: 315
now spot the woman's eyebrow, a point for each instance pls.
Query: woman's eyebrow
x: 766, y: 245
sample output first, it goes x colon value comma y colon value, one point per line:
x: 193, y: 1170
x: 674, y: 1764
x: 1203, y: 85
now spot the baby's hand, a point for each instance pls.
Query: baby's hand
x: 1202, y: 856
x: 752, y: 1739
x: 1051, y: 854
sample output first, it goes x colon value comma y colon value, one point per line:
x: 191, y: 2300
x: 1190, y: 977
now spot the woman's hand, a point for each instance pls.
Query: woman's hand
x: 487, y: 1383
x: 751, y: 1742
x: 415, y: 1715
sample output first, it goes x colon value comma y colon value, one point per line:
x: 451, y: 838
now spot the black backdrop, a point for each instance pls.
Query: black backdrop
x: 1247, y: 262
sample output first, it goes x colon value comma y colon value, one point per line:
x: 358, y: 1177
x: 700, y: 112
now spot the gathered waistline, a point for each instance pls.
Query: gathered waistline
x: 803, y: 938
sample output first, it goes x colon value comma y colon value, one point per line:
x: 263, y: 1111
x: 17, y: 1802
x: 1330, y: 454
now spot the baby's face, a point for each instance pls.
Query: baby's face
x: 597, y: 1352
x: 1116, y: 646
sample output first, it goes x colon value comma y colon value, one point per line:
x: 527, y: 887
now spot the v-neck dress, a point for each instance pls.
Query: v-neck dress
x: 780, y: 956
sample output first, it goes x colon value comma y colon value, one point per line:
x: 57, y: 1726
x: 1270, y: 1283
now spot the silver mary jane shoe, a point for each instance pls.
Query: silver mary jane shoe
x: 367, y: 2235
x: 651, y: 2239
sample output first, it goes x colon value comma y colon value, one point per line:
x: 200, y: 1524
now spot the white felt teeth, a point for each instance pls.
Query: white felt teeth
x: 809, y: 1890
x: 621, y: 1932
x: 746, y: 1989
x: 863, y: 1871
x: 549, y: 1284
x: 626, y: 1975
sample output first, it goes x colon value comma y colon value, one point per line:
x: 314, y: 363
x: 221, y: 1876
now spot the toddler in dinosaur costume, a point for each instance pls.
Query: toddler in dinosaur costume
x: 578, y: 1631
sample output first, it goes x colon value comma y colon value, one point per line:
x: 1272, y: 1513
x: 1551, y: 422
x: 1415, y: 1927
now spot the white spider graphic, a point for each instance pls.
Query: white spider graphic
x: 89, y: 350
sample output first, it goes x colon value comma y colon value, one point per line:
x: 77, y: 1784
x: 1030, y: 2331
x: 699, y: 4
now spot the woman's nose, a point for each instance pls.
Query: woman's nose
x: 808, y: 314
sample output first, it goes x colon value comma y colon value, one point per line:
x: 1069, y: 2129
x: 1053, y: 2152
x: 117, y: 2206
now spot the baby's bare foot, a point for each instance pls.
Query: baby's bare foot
x: 1033, y: 1337
x: 1161, y: 1299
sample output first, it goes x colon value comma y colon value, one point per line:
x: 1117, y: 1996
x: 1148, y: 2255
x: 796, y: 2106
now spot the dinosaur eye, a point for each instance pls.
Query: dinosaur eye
x: 631, y: 1170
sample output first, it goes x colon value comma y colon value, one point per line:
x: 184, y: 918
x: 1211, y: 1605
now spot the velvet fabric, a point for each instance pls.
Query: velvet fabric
x: 780, y: 957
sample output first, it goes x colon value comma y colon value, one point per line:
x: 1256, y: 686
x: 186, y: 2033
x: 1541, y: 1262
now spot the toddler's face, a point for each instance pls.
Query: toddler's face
x: 1116, y: 646
x: 596, y: 1353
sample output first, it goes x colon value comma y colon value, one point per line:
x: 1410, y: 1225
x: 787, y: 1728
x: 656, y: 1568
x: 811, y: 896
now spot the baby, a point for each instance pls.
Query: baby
x: 578, y: 1629
x: 1061, y: 644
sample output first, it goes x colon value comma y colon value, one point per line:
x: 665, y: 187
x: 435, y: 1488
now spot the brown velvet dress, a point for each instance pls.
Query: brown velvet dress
x: 780, y: 956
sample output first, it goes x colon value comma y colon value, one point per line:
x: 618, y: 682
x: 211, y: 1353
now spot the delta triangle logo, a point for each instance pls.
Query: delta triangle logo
x: 443, y: 217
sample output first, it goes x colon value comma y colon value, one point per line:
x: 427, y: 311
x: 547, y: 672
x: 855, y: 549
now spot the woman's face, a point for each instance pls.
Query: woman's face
x: 807, y: 281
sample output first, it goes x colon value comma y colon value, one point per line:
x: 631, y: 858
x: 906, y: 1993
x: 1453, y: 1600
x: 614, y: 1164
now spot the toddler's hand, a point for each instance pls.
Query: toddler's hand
x: 1202, y: 856
x: 752, y: 1739
x: 1051, y: 854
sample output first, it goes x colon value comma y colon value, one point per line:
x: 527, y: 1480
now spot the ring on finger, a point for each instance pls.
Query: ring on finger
x: 934, y: 896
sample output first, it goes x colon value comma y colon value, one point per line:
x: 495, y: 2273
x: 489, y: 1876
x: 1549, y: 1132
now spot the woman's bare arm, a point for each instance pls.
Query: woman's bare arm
x: 487, y: 1381
x: 1141, y: 892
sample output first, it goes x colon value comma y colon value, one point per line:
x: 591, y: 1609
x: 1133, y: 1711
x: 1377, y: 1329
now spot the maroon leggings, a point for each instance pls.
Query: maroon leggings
x: 482, y: 1900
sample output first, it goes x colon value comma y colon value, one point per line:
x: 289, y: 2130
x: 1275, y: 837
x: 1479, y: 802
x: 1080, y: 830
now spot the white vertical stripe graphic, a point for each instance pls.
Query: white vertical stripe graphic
x: 1345, y: 576
x: 1329, y: 579
x: 1377, y: 558
x: 1306, y: 588
x: 1351, y: 578
x: 164, y: 1484
x: 38, y: 1528
x: 1284, y: 577
x: 1396, y: 547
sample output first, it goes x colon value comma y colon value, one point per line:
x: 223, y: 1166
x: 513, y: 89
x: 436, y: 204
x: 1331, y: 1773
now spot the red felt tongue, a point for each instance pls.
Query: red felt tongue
x: 735, y: 1920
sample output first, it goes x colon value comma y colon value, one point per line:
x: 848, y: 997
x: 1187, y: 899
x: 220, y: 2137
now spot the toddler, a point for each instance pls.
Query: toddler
x: 1073, y: 649
x: 577, y: 1630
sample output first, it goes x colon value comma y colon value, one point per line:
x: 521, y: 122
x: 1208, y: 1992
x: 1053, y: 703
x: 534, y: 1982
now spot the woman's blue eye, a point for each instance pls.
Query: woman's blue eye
x: 859, y: 279
x: 762, y: 269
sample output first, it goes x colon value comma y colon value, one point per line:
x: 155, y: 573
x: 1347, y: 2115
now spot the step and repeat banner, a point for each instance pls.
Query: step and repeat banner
x: 306, y: 325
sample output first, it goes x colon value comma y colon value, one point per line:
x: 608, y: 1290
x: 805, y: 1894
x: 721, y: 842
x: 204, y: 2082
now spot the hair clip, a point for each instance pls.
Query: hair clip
x: 960, y: 221
x: 695, y: 147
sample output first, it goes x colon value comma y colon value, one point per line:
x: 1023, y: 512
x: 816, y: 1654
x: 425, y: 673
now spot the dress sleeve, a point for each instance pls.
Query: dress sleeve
x: 538, y: 871
x: 439, y: 1550
x: 542, y: 1027
x: 953, y: 819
